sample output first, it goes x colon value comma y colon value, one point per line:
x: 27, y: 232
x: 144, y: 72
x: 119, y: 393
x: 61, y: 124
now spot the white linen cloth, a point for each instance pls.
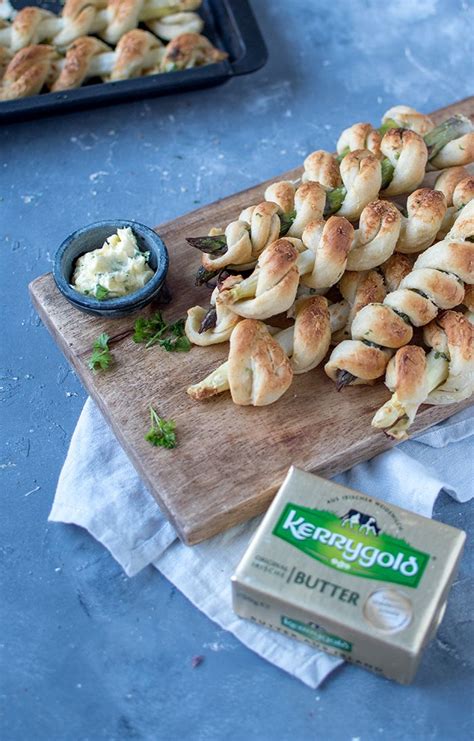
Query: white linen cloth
x: 99, y: 490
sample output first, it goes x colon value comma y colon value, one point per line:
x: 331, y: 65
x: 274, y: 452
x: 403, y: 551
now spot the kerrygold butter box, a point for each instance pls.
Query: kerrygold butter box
x: 349, y: 574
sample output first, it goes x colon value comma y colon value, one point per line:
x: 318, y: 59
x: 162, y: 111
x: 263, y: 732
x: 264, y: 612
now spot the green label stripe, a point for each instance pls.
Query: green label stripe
x: 316, y: 633
x: 321, y: 535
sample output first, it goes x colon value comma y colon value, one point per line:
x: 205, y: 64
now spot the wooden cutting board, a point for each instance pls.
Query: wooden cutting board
x: 230, y: 459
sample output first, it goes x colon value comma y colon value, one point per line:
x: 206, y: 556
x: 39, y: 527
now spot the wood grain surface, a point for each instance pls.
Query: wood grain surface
x: 230, y: 460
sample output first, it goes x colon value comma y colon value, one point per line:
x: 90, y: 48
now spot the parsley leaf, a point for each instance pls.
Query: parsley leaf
x: 101, y: 356
x: 101, y: 292
x: 155, y: 331
x: 162, y: 431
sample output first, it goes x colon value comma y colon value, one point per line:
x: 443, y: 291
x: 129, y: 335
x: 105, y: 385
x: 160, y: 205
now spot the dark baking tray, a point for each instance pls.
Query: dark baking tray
x: 229, y: 24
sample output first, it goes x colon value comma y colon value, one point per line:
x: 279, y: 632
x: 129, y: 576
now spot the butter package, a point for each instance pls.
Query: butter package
x: 348, y: 574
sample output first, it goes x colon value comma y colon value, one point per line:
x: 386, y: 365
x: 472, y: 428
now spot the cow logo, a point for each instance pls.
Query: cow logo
x: 353, y: 543
x: 364, y: 523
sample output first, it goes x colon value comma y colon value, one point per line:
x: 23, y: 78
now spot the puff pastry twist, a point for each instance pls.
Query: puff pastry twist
x: 138, y: 52
x: 28, y: 71
x: 286, y: 211
x: 382, y: 229
x: 391, y: 160
x: 209, y: 327
x: 436, y: 282
x: 443, y: 376
x: 257, y: 349
x: 109, y: 19
x: 450, y: 144
x: 328, y: 248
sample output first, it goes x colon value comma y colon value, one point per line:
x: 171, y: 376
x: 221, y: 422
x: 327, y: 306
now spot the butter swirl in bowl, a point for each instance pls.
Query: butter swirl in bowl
x: 111, y: 268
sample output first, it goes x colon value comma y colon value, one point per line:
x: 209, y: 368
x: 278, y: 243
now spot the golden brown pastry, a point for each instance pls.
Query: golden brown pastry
x: 436, y: 282
x: 190, y: 50
x: 79, y: 63
x: 358, y: 290
x: 262, y: 361
x: 138, y: 53
x: 360, y: 136
x: 28, y: 71
x: 272, y: 287
x: 444, y: 376
x: 213, y: 325
x: 408, y: 118
x: 110, y: 19
x: 426, y: 210
x: 458, y: 188
x: 257, y: 372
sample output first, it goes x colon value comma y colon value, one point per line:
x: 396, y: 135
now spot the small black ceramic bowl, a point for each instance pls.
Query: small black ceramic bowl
x: 93, y: 237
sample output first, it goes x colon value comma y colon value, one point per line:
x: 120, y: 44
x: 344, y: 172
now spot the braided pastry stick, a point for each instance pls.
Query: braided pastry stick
x: 272, y: 287
x: 364, y: 136
x: 443, y: 376
x: 327, y: 249
x: 285, y: 211
x: 361, y: 175
x: 449, y: 144
x: 208, y: 327
x: 305, y: 344
x: 110, y: 19
x: 138, y: 53
x: 28, y: 72
x: 436, y: 282
x: 382, y: 230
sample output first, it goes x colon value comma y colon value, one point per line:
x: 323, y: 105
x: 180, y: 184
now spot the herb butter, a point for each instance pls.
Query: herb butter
x: 115, y: 269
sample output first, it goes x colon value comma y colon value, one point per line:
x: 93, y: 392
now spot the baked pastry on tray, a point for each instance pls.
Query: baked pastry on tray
x: 40, y: 51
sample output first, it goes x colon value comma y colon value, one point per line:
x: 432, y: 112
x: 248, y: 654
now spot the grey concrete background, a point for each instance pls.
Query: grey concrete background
x: 86, y: 653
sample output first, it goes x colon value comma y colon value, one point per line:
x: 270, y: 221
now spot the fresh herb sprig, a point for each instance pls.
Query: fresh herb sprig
x: 101, y: 356
x: 162, y: 431
x: 155, y: 331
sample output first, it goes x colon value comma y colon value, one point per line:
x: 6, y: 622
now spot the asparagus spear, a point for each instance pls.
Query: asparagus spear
x: 217, y: 245
x: 344, y: 378
x: 452, y: 128
x: 209, y: 321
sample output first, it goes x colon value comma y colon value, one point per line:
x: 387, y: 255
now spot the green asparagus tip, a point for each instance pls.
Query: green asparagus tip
x: 390, y: 123
x: 204, y: 276
x: 210, y: 245
x: 341, y: 156
x: 286, y: 221
x: 387, y: 172
x: 452, y: 128
x: 209, y: 321
x: 334, y: 200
